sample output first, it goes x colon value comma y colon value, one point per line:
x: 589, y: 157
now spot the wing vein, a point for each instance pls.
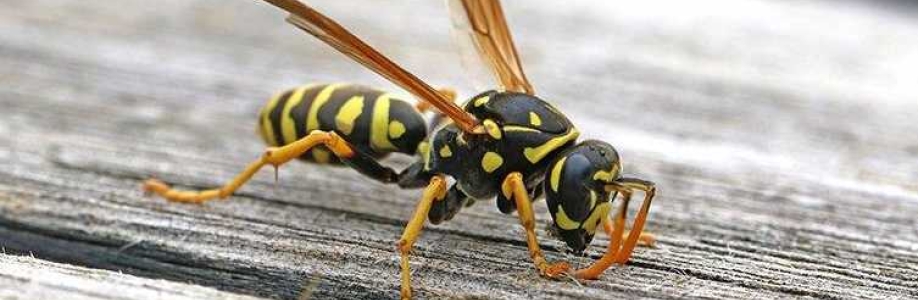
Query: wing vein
x: 488, y: 30
x: 335, y: 35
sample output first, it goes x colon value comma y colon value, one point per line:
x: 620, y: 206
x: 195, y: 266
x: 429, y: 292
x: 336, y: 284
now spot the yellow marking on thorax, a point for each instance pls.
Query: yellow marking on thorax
x: 555, y: 177
x: 491, y: 161
x: 312, y: 119
x: 348, y: 114
x: 445, y: 151
x: 288, y: 125
x: 535, y: 154
x: 379, y: 125
x: 396, y: 129
x: 565, y: 222
x: 481, y: 101
x: 534, y: 119
x: 321, y: 156
x: 492, y: 128
x: 267, y: 129
x: 607, y: 176
x: 508, y: 128
x: 590, y: 223
x: 424, y: 151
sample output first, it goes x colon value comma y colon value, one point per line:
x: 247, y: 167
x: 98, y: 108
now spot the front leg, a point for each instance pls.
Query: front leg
x: 513, y: 186
x: 614, y: 254
x: 645, y: 239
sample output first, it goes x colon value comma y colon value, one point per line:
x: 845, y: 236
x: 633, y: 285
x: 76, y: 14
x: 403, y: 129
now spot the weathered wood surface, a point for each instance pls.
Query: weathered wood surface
x: 28, y: 278
x: 781, y: 135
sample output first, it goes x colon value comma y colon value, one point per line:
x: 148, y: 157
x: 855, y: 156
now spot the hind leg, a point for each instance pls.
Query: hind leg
x: 277, y: 156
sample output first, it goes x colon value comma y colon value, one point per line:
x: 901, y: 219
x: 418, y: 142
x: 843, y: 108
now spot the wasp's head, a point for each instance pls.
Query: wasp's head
x: 575, y: 191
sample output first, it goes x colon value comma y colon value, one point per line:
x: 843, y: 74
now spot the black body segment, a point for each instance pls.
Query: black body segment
x: 575, y: 190
x: 523, y: 133
x: 368, y: 165
x: 446, y: 209
x: 373, y: 121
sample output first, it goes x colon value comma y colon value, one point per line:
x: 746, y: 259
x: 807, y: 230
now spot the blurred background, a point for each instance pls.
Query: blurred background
x: 772, y: 77
x: 784, y: 126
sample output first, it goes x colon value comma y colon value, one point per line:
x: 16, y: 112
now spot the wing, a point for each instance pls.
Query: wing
x: 482, y: 21
x: 333, y: 34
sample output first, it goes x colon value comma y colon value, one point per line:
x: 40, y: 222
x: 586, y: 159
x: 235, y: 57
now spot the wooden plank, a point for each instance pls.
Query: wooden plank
x: 24, y: 277
x: 777, y: 133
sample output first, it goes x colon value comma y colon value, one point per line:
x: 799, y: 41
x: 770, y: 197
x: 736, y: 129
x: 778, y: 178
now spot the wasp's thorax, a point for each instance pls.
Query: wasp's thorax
x: 523, y: 134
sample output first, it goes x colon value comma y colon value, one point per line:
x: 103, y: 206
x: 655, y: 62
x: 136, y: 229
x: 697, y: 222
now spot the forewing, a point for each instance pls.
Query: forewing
x: 482, y: 22
x: 332, y: 33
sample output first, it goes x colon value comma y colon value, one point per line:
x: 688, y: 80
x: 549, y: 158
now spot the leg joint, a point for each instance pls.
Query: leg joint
x: 403, y: 246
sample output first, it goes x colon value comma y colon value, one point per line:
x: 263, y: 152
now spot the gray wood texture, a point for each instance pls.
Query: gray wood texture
x: 781, y: 135
x: 24, y: 277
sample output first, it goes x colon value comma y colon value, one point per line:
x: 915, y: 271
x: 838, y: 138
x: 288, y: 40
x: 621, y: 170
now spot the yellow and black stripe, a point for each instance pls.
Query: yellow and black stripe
x: 371, y: 120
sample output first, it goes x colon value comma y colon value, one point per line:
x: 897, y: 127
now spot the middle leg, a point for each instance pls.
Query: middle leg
x: 435, y: 191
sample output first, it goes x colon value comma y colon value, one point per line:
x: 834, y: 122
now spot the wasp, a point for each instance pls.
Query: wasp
x: 505, y: 144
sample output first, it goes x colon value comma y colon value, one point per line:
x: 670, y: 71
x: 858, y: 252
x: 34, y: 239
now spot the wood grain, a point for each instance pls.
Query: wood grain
x: 25, y: 277
x: 780, y: 135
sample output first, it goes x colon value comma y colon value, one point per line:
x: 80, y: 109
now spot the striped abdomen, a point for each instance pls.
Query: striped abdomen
x: 371, y: 120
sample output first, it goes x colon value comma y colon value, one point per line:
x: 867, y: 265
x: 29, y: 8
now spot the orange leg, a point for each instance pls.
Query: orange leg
x: 645, y: 239
x: 513, y: 186
x: 619, y: 252
x: 274, y: 156
x: 435, y: 191
x: 616, y: 235
x: 649, y: 190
